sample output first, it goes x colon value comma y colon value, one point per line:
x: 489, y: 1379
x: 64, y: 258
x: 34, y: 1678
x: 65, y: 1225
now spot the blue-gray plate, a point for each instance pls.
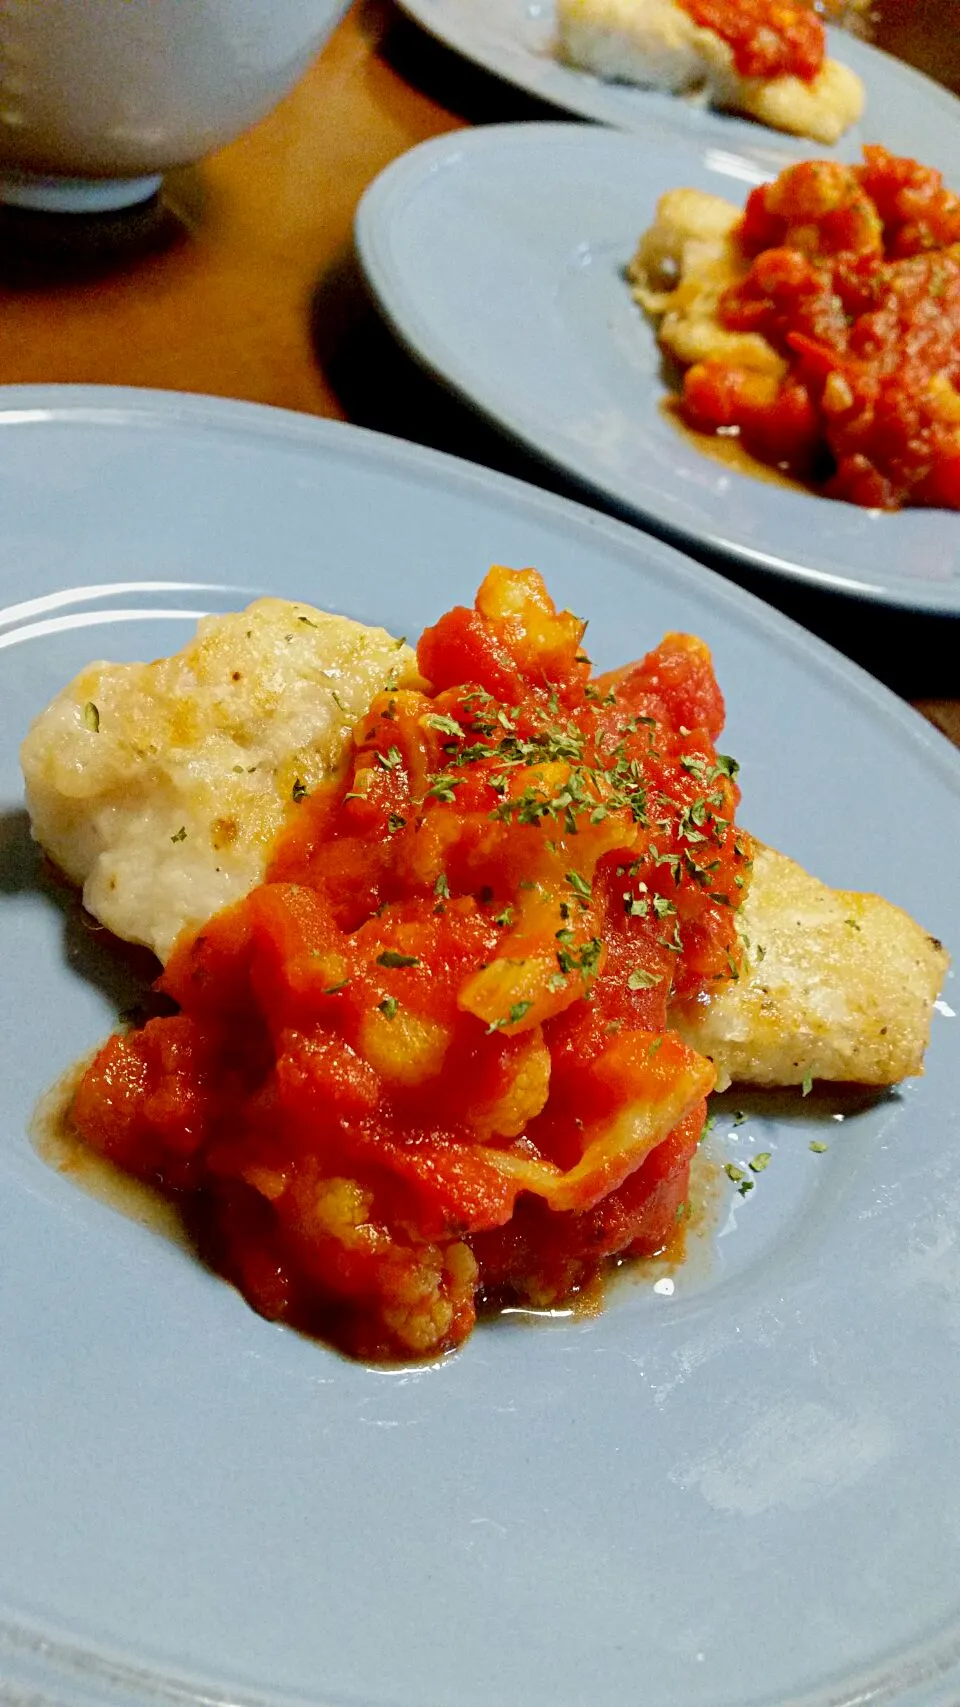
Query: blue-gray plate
x: 498, y: 258
x: 514, y: 39
x: 737, y: 1489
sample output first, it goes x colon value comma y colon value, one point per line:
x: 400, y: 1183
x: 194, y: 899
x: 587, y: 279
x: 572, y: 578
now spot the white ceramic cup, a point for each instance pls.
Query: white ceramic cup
x: 99, y: 97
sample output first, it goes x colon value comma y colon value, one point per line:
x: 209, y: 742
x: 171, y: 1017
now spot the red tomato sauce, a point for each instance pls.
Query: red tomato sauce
x: 427, y: 1064
x: 855, y: 282
x: 768, y: 38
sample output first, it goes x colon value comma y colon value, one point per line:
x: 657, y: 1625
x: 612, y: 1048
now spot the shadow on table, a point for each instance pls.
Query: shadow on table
x: 379, y: 386
x: 44, y: 250
x: 923, y: 33
x: 123, y: 972
x: 443, y: 76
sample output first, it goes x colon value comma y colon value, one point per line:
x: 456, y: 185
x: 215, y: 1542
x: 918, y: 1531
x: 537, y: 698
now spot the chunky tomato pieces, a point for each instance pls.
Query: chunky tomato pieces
x: 428, y: 1062
x: 855, y: 282
x: 768, y: 38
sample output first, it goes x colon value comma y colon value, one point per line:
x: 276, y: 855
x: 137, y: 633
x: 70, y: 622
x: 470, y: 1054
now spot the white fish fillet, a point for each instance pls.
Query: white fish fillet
x: 683, y: 264
x: 838, y: 986
x: 158, y: 788
x: 656, y: 44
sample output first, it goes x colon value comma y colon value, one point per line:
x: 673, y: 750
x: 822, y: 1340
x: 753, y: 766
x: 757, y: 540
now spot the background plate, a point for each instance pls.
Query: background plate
x: 525, y: 311
x: 514, y: 39
x: 733, y: 1495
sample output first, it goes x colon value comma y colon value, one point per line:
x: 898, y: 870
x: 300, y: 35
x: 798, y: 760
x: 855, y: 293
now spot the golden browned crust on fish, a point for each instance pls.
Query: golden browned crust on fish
x: 158, y: 788
x: 837, y: 986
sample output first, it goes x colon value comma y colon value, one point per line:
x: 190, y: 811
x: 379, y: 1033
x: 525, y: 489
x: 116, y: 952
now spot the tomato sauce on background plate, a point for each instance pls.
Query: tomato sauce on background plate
x: 855, y: 281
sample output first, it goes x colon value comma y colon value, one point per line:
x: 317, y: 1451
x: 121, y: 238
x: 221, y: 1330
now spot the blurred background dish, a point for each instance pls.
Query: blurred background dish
x: 556, y: 353
x: 98, y: 99
x: 849, y: 14
x: 516, y: 41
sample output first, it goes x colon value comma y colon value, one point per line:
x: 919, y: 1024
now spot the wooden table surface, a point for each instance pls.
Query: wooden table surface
x: 242, y: 283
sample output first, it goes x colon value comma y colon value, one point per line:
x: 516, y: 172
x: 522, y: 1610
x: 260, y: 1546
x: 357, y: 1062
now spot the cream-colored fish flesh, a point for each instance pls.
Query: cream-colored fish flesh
x: 657, y: 45
x: 837, y: 986
x: 158, y: 788
x: 683, y: 264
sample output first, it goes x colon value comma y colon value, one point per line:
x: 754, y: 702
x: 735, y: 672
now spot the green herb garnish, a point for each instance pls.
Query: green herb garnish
x: 447, y: 725
x: 442, y: 788
x: 516, y: 1014
x: 581, y: 888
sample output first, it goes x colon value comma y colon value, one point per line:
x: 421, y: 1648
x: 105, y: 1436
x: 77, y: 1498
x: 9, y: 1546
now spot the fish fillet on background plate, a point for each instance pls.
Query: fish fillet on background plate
x: 658, y: 45
x: 158, y: 789
x: 682, y: 265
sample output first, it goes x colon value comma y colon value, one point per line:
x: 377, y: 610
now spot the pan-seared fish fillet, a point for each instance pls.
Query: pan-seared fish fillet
x: 158, y: 788
x: 839, y: 986
x: 656, y: 44
x: 822, y: 110
x: 683, y: 264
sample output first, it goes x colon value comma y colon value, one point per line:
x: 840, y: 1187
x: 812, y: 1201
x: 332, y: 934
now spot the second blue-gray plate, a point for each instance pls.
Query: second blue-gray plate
x: 514, y: 39
x: 498, y: 257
